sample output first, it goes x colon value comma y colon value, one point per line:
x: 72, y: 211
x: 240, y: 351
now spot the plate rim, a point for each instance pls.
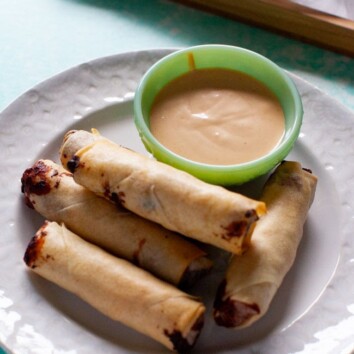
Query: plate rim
x: 96, y: 61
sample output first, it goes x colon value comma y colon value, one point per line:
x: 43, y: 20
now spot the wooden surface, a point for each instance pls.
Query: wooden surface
x: 292, y: 19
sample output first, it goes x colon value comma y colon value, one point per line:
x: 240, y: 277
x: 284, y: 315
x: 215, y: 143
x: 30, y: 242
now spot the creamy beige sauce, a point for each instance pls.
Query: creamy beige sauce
x: 217, y: 116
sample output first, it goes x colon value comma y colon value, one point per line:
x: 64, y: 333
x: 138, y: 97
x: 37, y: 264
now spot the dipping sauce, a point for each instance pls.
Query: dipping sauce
x: 217, y: 116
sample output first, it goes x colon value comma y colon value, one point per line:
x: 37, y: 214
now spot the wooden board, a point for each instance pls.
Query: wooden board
x: 289, y: 18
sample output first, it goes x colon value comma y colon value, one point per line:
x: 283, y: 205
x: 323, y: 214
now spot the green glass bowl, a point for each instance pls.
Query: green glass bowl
x: 227, y: 57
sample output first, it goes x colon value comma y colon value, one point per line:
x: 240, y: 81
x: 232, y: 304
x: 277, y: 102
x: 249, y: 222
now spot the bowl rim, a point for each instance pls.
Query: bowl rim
x: 186, y: 164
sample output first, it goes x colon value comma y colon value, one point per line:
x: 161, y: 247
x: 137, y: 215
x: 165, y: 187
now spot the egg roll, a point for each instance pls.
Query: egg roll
x: 51, y: 191
x: 252, y: 280
x: 158, y: 192
x: 115, y: 287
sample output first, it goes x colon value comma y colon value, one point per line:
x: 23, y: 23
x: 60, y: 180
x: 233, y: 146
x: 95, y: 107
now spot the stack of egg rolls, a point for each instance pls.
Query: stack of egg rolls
x: 252, y: 280
x: 161, y: 193
x: 117, y: 203
x: 115, y: 287
x: 51, y: 191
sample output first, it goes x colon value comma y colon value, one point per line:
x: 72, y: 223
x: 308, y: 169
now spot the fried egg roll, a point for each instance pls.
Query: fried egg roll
x: 51, y: 190
x: 161, y: 193
x: 252, y: 280
x: 115, y: 287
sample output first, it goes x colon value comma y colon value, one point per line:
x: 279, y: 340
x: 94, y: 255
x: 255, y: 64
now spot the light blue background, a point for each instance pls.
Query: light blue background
x: 39, y: 38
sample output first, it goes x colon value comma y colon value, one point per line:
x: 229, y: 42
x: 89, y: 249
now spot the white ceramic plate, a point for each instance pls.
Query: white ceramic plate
x: 313, y: 311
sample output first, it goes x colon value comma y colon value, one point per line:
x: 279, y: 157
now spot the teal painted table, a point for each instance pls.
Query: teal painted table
x: 39, y: 38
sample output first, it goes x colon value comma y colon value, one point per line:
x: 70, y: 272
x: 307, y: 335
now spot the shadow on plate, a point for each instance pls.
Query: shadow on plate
x: 300, y: 289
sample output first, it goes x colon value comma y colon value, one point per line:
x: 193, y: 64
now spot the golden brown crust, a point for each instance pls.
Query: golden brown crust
x: 51, y: 191
x: 162, y: 194
x: 35, y: 246
x: 118, y: 289
x: 252, y: 280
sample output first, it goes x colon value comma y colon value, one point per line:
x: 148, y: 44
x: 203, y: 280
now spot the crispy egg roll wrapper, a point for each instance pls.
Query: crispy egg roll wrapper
x: 252, y: 280
x: 51, y: 191
x: 115, y: 287
x: 161, y: 193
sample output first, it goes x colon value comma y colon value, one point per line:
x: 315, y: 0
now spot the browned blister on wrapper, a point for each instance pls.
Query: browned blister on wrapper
x: 51, y: 191
x: 252, y: 280
x: 122, y: 291
x: 161, y: 193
